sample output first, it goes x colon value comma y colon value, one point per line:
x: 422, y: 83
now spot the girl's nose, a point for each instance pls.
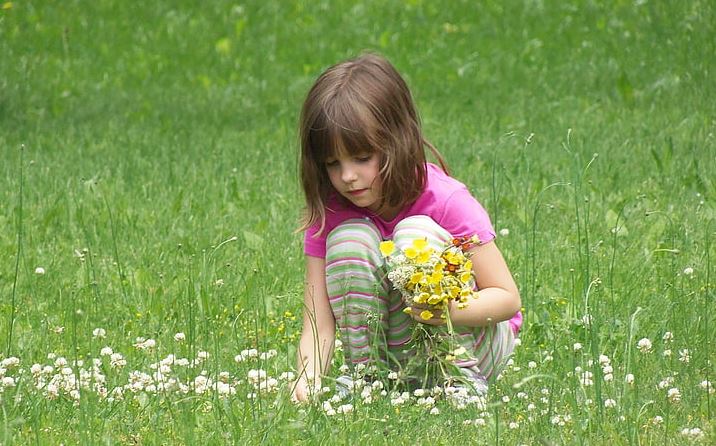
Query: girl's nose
x: 348, y: 174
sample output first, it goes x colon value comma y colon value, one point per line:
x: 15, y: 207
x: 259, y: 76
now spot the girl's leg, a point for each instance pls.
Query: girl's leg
x: 488, y: 347
x: 367, y: 311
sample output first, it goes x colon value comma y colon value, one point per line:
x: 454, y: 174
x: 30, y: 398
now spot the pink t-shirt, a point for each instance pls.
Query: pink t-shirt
x: 446, y: 200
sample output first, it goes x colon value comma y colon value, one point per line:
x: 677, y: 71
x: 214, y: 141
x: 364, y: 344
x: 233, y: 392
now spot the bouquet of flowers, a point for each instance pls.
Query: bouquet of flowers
x: 426, y: 276
x: 431, y: 279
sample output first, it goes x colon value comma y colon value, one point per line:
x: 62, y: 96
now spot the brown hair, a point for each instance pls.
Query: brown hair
x: 358, y: 106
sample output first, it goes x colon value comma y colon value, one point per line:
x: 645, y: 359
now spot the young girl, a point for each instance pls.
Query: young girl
x: 365, y: 179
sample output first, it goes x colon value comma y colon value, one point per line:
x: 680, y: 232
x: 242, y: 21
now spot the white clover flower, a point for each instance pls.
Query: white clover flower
x: 629, y: 378
x: 644, y: 345
x: 219, y: 283
x: 514, y: 425
x: 504, y: 232
x: 707, y: 386
x: 180, y: 337
x: 419, y: 392
x: 393, y: 376
x: 657, y: 420
x: 666, y: 353
x: 99, y: 333
x: 39, y: 271
x: 666, y: 382
x: 505, y: 399
x: 268, y: 355
x: 688, y: 271
x: 531, y: 365
x: 674, y: 395
x: 517, y: 342
x: 604, y: 360
x: 586, y: 378
x: 36, y: 369
x: 117, y: 360
x: 344, y: 369
x: 610, y: 403
x: 12, y: 361
x: 668, y: 337
x: 202, y: 355
x: 694, y: 433
x: 338, y: 345
x: 684, y: 355
x: 345, y: 409
x: 577, y: 346
x: 287, y: 376
x: 608, y: 377
x: 8, y: 381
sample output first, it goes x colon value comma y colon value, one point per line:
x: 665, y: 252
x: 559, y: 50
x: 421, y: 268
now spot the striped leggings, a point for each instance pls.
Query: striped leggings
x: 369, y: 312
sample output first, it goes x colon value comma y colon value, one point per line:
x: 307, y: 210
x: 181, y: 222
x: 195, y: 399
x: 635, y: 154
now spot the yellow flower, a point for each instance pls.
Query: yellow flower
x: 426, y: 315
x: 407, y: 310
x: 465, y: 277
x: 423, y: 256
x: 421, y: 298
x: 454, y: 291
x: 434, y: 299
x: 387, y: 247
x: 416, y: 277
x: 468, y: 265
x: 420, y: 243
x: 410, y: 252
x: 466, y: 292
x: 435, y: 277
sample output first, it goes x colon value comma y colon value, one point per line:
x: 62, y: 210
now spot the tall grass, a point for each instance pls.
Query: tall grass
x: 158, y: 191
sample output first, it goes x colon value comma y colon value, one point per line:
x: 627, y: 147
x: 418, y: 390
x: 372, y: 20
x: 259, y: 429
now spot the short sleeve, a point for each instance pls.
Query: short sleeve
x: 314, y: 245
x: 464, y: 216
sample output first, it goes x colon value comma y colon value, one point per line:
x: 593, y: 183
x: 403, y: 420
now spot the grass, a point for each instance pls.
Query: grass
x: 156, y: 133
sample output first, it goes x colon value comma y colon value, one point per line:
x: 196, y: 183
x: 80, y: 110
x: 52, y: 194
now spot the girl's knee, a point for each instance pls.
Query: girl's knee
x: 353, y: 236
x: 420, y: 226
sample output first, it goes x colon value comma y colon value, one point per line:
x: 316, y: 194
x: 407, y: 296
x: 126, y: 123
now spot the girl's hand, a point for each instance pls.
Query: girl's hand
x: 417, y: 311
x: 302, y: 390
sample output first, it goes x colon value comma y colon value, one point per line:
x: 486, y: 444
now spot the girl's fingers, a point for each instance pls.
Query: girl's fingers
x: 421, y: 312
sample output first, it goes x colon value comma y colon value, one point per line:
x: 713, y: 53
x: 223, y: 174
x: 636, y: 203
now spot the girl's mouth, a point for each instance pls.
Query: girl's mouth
x: 357, y: 192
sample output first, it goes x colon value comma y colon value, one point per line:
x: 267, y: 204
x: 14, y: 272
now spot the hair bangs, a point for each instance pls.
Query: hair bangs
x: 347, y: 128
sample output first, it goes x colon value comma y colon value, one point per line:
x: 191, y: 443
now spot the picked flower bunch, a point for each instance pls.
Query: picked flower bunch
x: 432, y: 278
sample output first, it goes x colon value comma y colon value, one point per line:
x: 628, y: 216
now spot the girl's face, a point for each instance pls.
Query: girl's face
x: 356, y: 177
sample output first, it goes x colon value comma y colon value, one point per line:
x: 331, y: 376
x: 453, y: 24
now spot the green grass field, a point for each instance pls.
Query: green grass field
x: 157, y: 194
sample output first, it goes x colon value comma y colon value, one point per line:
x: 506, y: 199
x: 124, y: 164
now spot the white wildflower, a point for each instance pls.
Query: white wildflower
x: 39, y: 270
x: 707, y: 386
x: 504, y: 232
x: 434, y: 411
x: 106, y: 351
x: 684, y: 355
x: 345, y: 409
x: 629, y: 378
x: 99, y: 333
x: 674, y: 395
x: 668, y: 337
x: 610, y: 403
x: 688, y: 271
x: 180, y: 337
x: 644, y: 345
x: 577, y: 346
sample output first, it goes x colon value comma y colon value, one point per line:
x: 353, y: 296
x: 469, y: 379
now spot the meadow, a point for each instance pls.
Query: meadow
x: 151, y: 277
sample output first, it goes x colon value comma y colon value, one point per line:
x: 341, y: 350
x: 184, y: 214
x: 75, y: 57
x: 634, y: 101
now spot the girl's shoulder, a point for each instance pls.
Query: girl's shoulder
x: 440, y: 185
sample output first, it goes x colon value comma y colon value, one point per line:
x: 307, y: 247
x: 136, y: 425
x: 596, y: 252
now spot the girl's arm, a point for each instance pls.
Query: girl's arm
x: 498, y: 300
x: 315, y: 349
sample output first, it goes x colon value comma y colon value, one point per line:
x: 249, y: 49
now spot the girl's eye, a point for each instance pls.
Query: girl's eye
x: 332, y: 163
x: 364, y: 159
